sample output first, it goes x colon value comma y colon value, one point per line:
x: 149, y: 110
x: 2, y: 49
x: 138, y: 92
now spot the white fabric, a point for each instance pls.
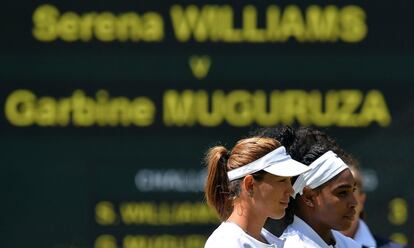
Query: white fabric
x: 276, y: 162
x: 300, y: 234
x: 230, y: 235
x: 321, y: 171
x: 363, y: 236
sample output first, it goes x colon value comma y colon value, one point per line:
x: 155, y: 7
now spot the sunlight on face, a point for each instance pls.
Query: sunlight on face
x: 273, y: 195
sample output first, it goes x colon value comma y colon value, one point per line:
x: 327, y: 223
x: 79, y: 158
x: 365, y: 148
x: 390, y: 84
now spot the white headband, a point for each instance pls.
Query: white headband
x: 321, y: 170
x: 276, y: 162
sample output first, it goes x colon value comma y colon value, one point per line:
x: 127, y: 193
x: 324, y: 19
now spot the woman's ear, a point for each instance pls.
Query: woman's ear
x: 308, y: 197
x: 248, y: 183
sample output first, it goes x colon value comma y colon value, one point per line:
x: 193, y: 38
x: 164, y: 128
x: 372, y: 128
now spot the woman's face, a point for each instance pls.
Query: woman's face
x: 272, y: 195
x: 336, y: 202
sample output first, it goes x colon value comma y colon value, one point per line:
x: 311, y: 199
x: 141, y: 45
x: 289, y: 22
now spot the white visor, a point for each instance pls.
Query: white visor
x: 321, y: 171
x: 276, y: 162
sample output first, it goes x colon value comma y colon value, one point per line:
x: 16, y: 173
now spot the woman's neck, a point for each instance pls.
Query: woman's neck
x: 249, y: 221
x: 323, y: 231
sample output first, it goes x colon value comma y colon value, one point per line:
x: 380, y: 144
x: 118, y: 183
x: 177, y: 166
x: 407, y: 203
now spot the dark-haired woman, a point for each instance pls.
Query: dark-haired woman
x: 246, y: 186
x: 324, y: 200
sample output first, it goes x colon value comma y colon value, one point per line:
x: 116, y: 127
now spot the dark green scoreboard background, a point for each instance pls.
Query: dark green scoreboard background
x: 109, y: 106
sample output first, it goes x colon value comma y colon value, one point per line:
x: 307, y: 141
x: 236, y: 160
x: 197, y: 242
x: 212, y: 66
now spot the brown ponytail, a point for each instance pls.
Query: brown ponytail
x: 216, y: 188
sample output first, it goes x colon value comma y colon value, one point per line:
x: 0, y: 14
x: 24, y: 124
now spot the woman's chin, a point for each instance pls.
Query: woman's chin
x: 277, y: 216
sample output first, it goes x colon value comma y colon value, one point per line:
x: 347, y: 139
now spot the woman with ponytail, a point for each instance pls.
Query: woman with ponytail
x: 246, y: 186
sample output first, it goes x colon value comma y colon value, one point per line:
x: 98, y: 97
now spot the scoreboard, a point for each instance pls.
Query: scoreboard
x: 109, y: 106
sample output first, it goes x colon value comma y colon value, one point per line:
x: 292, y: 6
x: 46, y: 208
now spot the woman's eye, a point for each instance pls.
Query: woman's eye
x: 342, y: 193
x: 284, y: 180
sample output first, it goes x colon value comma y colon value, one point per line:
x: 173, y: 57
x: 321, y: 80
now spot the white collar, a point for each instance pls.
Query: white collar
x: 302, y: 227
x: 363, y: 236
x: 271, y: 238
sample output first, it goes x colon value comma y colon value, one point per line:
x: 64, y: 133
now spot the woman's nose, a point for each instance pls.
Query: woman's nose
x: 353, y: 200
x: 289, y: 187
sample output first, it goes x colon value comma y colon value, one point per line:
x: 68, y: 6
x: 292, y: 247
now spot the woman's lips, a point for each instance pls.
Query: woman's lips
x: 350, y: 215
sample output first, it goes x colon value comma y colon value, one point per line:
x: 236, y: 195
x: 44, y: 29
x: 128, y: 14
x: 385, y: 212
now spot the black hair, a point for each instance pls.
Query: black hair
x: 284, y: 134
